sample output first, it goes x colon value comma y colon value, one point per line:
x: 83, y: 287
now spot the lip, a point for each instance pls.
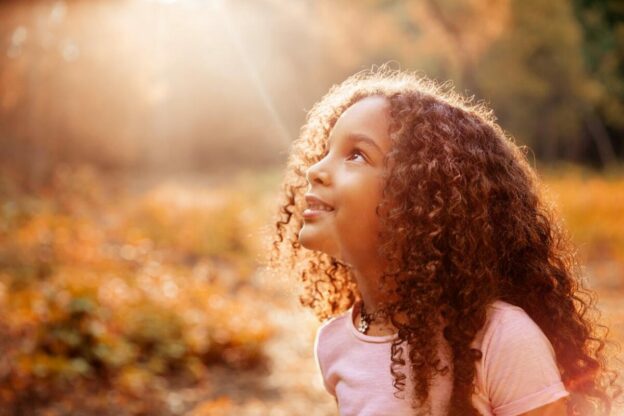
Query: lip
x: 311, y: 213
x: 312, y: 199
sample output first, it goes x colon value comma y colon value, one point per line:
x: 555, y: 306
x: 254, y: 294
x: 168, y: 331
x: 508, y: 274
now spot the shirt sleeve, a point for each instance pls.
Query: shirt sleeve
x: 520, y: 366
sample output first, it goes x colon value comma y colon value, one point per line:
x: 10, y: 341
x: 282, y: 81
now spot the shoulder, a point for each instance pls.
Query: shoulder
x: 501, y: 310
x: 509, y: 325
x: 519, y: 363
x: 332, y: 325
x: 510, y: 332
x: 332, y: 332
x: 329, y: 335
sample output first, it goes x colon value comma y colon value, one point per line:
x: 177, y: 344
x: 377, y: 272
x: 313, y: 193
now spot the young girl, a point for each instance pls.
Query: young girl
x: 445, y: 282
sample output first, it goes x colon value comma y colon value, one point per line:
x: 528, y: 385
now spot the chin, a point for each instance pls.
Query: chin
x: 306, y: 241
x: 312, y: 242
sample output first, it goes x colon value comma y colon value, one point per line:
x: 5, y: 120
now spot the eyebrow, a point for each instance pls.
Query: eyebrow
x: 359, y: 137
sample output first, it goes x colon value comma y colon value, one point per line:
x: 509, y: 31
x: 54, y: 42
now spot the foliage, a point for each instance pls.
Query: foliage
x: 591, y: 205
x: 603, y: 30
x: 124, y: 292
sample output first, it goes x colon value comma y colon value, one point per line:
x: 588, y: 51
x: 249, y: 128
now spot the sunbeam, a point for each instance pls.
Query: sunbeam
x: 220, y: 8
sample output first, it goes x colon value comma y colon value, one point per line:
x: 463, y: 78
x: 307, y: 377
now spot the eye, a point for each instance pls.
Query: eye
x: 357, y: 152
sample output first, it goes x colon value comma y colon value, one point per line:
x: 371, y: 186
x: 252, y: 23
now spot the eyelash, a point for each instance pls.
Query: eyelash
x: 354, y: 151
x: 358, y: 151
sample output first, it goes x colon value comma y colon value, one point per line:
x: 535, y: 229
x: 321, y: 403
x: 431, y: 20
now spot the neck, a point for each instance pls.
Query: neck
x: 373, y: 316
x: 369, y: 287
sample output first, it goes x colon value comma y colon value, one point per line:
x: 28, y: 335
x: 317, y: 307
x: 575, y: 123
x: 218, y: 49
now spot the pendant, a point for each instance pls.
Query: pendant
x: 363, y: 326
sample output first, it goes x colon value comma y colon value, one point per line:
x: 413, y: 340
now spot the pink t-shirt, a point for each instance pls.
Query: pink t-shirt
x: 517, y: 372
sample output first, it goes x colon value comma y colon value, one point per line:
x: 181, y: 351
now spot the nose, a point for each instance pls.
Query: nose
x: 317, y: 173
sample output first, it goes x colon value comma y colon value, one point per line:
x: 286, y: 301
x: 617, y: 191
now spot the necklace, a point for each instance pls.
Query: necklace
x: 366, y: 319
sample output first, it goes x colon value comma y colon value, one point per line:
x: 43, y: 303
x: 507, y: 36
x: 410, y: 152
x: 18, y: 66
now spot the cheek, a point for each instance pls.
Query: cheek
x: 358, y: 218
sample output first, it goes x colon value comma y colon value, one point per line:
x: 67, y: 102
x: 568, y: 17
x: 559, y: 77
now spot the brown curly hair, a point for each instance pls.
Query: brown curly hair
x: 466, y: 222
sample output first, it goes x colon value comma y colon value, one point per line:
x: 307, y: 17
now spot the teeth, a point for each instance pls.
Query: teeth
x: 321, y: 207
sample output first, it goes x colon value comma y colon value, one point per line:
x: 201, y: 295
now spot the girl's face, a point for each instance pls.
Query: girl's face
x: 349, y: 179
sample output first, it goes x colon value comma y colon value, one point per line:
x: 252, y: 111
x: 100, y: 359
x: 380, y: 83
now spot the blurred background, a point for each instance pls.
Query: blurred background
x: 141, y: 148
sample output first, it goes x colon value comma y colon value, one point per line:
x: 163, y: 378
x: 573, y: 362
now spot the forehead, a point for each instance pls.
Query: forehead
x: 369, y: 116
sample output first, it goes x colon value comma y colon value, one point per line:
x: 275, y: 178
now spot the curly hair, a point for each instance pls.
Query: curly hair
x: 466, y: 222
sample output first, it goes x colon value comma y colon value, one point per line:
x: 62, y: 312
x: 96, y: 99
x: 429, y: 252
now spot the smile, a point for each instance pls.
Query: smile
x: 315, y: 212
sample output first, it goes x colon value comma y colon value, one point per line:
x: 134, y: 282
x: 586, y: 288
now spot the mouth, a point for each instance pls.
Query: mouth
x: 316, y: 207
x: 311, y: 213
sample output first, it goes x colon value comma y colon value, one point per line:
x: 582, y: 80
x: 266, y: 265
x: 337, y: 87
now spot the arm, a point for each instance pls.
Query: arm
x: 557, y: 408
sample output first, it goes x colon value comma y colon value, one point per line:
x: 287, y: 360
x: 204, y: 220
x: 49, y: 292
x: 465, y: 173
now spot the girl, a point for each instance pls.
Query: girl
x: 445, y: 282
